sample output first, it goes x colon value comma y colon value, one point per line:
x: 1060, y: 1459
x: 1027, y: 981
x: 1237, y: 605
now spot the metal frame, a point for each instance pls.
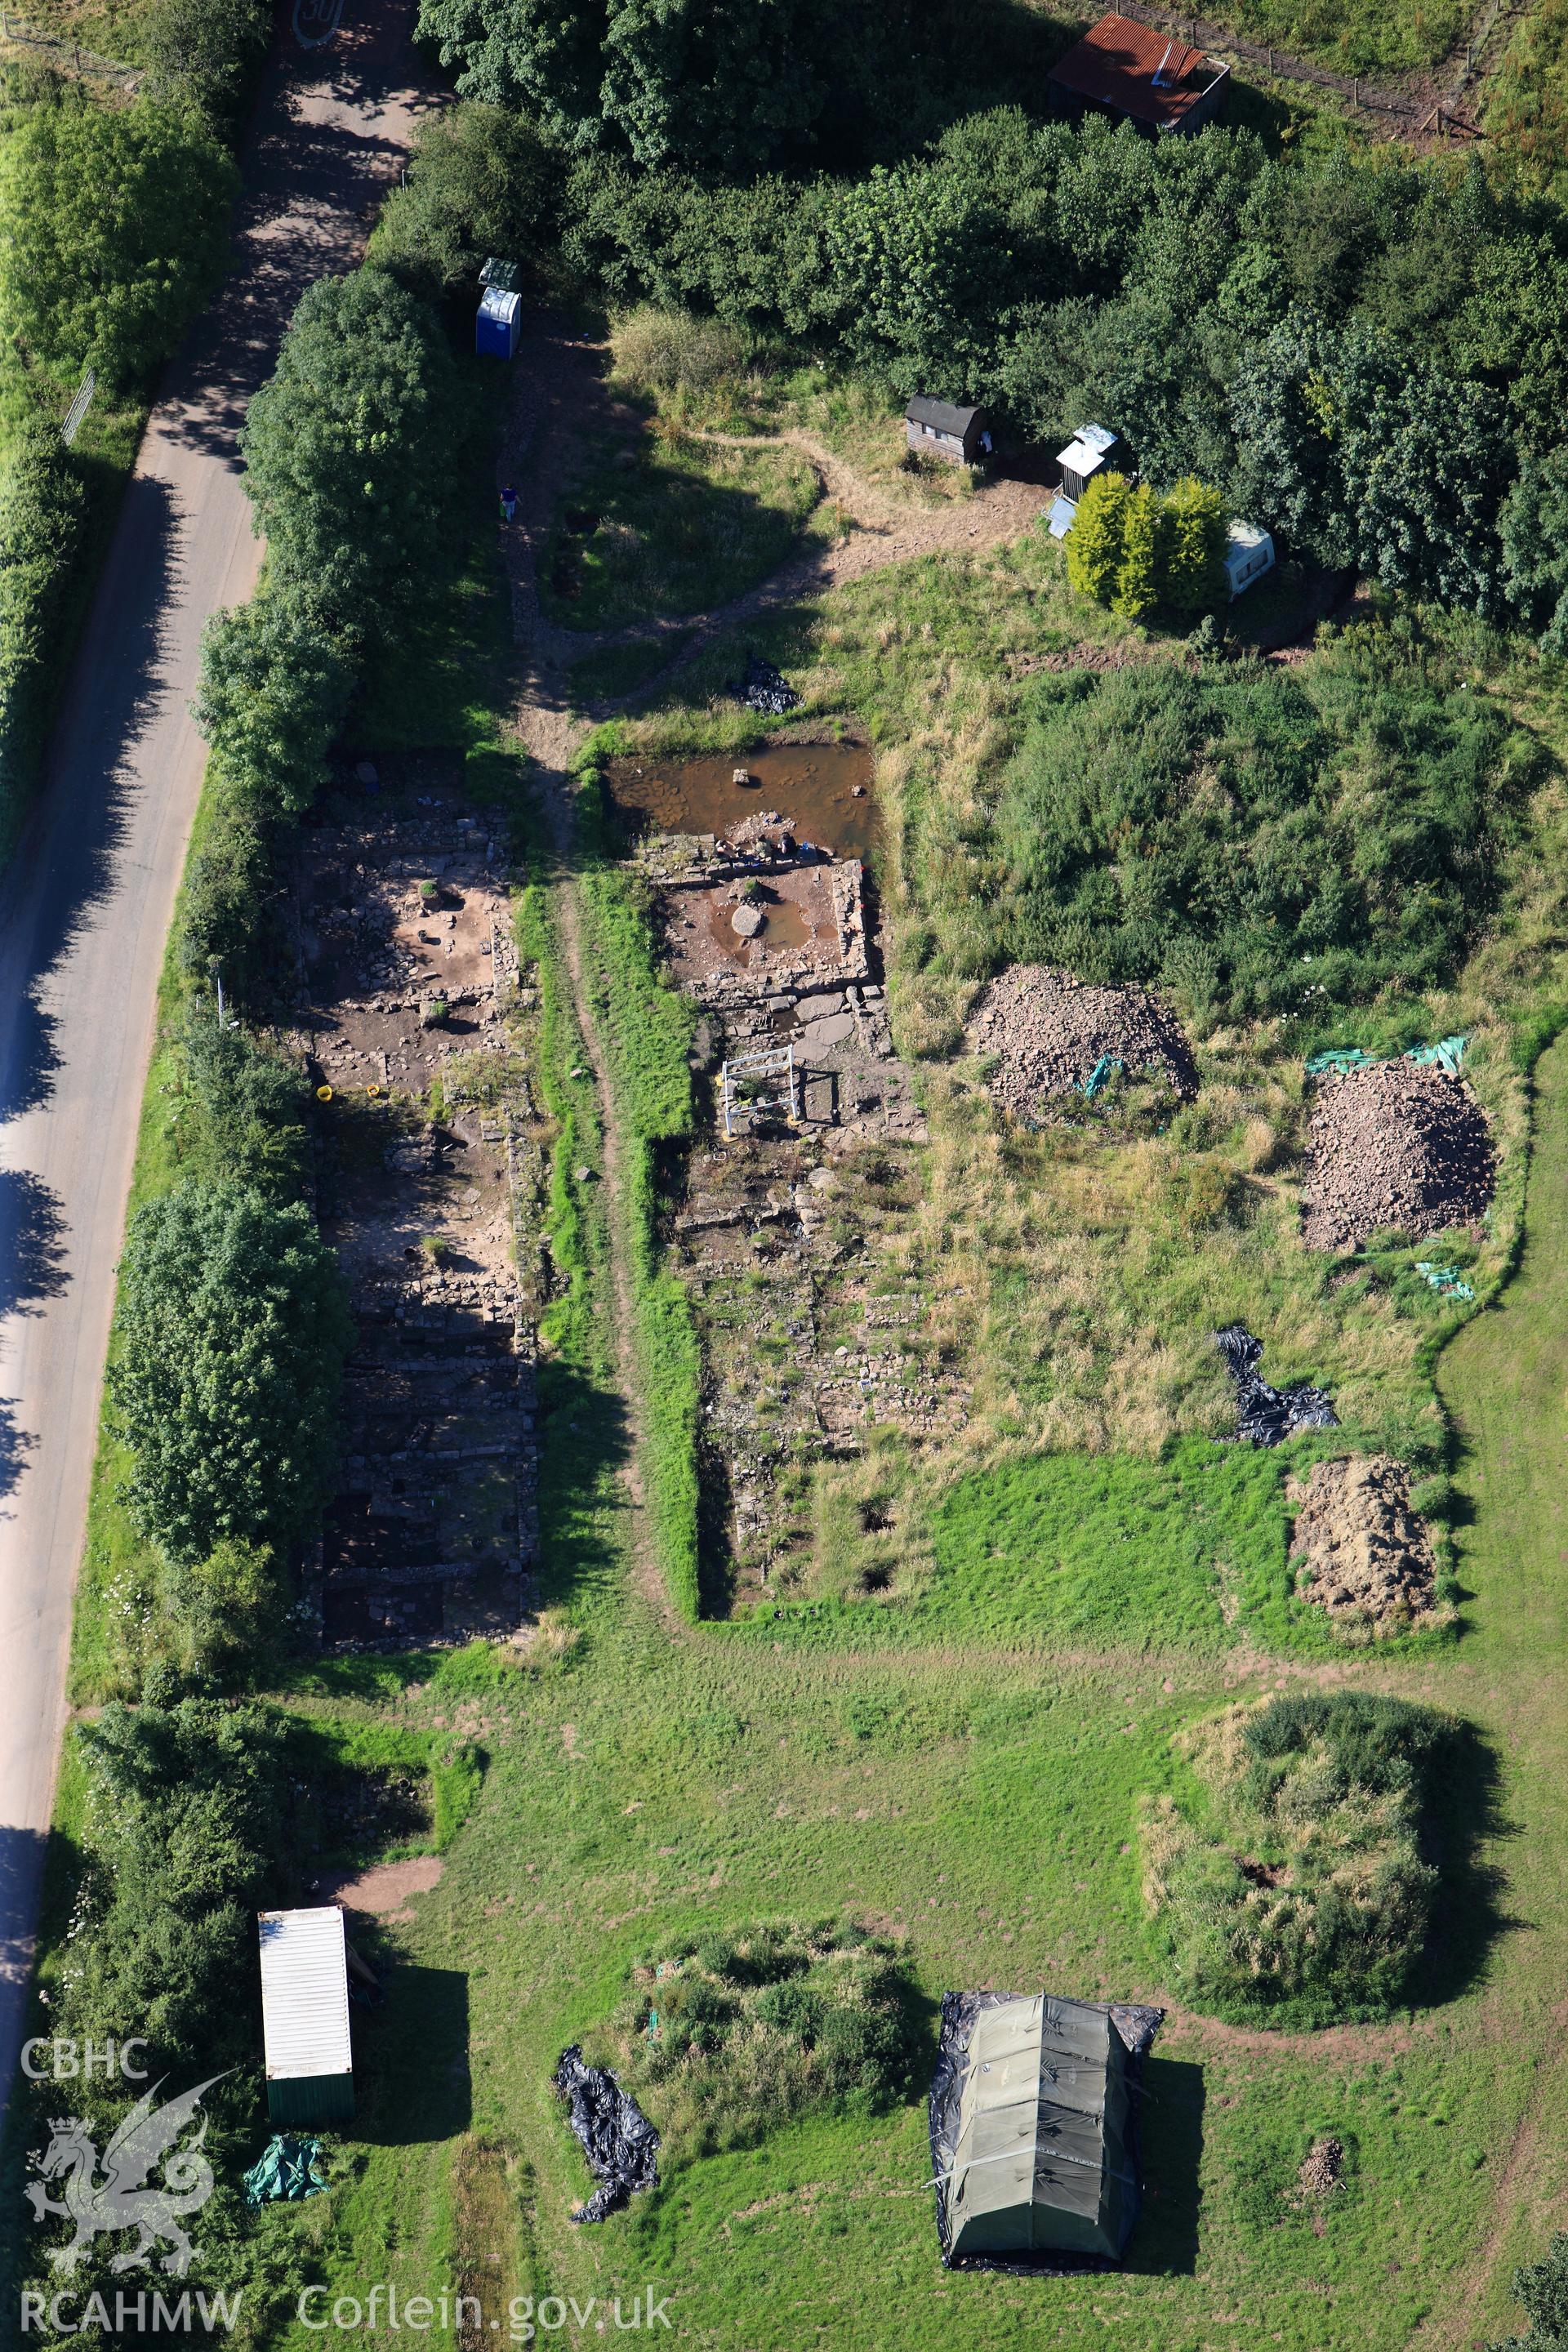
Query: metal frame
x: 775, y: 1062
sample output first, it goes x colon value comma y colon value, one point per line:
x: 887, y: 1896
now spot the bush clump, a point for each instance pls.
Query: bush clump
x: 1292, y: 1883
x: 1255, y: 842
x: 232, y: 1329
x: 732, y: 2035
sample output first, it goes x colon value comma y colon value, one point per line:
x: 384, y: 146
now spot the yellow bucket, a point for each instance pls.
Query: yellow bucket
x: 324, y: 1094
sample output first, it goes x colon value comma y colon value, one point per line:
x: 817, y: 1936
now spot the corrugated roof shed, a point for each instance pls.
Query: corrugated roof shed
x: 1139, y: 72
x: 304, y: 1993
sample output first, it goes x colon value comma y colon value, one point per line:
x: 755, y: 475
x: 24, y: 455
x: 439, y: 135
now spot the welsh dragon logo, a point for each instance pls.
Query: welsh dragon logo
x: 121, y: 2199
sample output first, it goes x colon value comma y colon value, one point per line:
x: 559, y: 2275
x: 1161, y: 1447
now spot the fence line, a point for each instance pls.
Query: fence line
x: 84, y: 61
x: 78, y: 408
x: 1418, y: 115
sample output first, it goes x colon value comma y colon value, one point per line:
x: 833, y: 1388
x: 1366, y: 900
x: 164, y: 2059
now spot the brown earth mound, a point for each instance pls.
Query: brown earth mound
x: 1367, y: 1553
x: 1393, y: 1143
x: 1049, y: 1029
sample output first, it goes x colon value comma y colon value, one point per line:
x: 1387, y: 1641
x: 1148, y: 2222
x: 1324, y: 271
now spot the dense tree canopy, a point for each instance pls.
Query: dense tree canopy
x: 232, y: 1331
x: 275, y: 681
x: 347, y: 447
x: 113, y: 224
x: 1357, y: 351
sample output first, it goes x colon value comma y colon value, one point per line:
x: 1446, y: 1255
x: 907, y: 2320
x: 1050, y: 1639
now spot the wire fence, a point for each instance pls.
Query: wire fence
x: 1413, y: 115
x: 16, y: 29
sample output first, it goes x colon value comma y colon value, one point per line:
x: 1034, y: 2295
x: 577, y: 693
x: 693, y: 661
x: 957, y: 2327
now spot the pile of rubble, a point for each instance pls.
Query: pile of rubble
x: 1367, y: 1556
x: 1394, y: 1144
x: 1049, y: 1034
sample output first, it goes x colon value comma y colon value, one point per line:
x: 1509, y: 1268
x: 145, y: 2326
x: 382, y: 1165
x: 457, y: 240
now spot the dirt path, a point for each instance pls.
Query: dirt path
x: 561, y: 400
x: 544, y: 428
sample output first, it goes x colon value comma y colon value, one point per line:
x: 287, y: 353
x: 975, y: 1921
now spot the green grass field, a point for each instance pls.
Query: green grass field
x: 683, y: 526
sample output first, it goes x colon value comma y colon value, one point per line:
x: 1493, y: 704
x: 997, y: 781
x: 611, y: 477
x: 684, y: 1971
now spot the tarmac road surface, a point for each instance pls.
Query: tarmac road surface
x: 85, y: 905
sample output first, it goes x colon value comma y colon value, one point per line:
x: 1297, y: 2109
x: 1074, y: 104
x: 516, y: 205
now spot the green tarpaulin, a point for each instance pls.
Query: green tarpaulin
x: 287, y: 2168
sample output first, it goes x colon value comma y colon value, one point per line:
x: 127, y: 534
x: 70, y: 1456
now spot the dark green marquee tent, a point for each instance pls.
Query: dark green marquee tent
x: 1033, y: 2130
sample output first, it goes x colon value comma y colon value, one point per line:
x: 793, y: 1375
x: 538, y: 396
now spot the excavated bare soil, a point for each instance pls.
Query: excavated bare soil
x: 1393, y: 1144
x: 1048, y: 1031
x: 1368, y: 1556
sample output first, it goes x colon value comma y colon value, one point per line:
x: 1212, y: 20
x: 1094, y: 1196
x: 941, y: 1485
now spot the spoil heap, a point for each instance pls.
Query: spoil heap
x: 1396, y: 1144
x: 1050, y: 1031
x: 1368, y: 1555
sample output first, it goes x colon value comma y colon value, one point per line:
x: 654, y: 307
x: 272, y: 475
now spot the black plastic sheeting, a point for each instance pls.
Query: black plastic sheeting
x: 616, y: 2138
x: 1137, y: 2027
x: 1264, y: 1416
x: 763, y: 688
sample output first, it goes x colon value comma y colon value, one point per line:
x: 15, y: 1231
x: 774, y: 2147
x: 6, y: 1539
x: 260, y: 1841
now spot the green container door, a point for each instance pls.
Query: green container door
x: 312, y: 2101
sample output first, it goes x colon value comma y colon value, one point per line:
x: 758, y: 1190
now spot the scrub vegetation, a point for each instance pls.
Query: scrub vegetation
x: 1297, y: 1888
x: 725, y: 2038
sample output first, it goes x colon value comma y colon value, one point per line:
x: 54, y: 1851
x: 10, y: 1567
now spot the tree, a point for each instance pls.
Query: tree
x: 1542, y: 2288
x: 1138, y: 576
x: 40, y: 528
x: 480, y: 181
x: 720, y: 85
x: 544, y: 56
x: 205, y: 50
x: 232, y: 1330
x: 1194, y: 542
x: 185, y: 1813
x: 116, y: 226
x: 347, y: 449
x: 227, y: 1612
x: 1534, y: 534
x: 246, y: 1111
x: 1095, y: 543
x: 1285, y: 410
x: 275, y: 682
x: 1424, y: 461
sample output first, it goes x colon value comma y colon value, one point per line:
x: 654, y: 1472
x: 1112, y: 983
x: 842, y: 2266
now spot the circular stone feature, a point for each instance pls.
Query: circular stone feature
x: 747, y: 921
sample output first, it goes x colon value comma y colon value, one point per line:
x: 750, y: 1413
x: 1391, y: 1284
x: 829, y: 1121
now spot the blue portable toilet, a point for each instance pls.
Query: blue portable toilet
x: 498, y: 328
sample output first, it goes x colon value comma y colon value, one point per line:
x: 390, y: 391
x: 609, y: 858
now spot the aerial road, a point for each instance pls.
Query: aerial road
x: 85, y: 905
